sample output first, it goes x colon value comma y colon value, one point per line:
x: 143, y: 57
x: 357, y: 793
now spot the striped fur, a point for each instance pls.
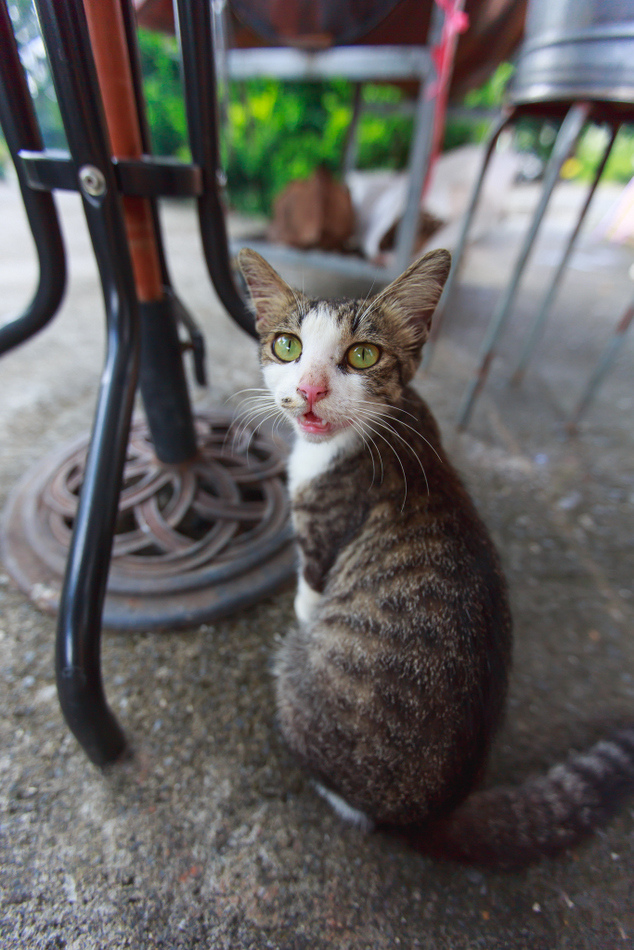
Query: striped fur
x: 391, y: 688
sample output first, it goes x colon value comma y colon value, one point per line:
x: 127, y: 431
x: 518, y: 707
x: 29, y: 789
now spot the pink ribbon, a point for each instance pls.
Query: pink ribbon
x: 456, y: 21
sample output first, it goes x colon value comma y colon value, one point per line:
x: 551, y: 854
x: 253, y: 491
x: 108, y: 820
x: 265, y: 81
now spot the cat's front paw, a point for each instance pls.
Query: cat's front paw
x: 306, y: 601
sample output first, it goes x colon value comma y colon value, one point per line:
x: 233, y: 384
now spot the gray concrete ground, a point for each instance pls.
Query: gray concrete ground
x: 210, y: 835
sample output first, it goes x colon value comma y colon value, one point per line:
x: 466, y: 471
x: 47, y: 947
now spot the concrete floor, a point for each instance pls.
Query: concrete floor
x: 209, y: 835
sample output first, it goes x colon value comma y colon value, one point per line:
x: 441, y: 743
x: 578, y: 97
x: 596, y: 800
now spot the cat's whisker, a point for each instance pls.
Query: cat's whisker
x: 387, y: 418
x: 254, y: 428
x: 359, y: 316
x: 248, y: 404
x: 248, y: 409
x: 416, y: 431
x: 252, y: 389
x: 373, y: 418
x: 267, y: 410
x: 299, y: 303
x: 382, y: 421
x: 373, y: 303
x: 364, y: 438
x: 398, y: 459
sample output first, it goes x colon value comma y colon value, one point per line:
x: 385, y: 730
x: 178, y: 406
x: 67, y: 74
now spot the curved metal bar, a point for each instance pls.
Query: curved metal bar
x: 78, y: 665
x: 21, y: 131
x: 199, y: 77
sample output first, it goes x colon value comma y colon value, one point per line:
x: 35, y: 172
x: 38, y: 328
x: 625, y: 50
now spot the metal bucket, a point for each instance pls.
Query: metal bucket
x: 575, y: 50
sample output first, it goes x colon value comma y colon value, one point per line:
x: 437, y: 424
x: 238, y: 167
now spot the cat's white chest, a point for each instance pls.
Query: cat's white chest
x: 310, y: 459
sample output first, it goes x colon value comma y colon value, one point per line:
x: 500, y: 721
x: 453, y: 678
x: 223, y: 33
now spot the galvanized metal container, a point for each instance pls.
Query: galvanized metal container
x: 574, y: 50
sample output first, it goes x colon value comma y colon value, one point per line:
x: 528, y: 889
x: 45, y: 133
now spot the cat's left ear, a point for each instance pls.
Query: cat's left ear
x: 271, y: 295
x: 414, y: 295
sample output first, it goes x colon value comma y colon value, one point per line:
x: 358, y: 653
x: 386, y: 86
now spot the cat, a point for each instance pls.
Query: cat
x: 393, y: 685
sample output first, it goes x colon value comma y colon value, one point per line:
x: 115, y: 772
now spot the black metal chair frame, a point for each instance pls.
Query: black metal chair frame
x: 143, y: 344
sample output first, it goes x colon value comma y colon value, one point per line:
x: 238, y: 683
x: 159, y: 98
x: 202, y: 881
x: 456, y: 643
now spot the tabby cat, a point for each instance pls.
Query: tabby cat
x: 393, y: 685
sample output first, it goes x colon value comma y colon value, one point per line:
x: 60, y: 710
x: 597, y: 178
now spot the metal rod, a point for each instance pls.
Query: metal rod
x: 420, y: 154
x: 566, y: 138
x: 540, y: 320
x: 428, y: 351
x: 605, y: 362
x: 195, y: 34
x: 21, y: 131
x: 78, y: 643
x: 356, y: 63
x: 352, y: 139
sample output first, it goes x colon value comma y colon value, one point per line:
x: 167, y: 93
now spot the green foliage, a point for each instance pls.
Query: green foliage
x: 620, y: 165
x: 488, y: 97
x: 163, y: 94
x: 274, y: 132
x: 277, y: 132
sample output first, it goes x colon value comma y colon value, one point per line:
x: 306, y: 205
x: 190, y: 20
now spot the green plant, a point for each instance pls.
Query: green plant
x: 163, y: 92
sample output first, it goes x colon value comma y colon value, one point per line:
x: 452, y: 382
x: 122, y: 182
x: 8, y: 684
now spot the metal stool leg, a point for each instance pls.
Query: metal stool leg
x: 605, y: 362
x: 540, y: 320
x: 458, y: 254
x: 566, y: 138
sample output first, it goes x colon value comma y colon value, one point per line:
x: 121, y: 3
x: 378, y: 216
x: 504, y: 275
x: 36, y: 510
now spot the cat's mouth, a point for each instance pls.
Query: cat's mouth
x: 312, y: 424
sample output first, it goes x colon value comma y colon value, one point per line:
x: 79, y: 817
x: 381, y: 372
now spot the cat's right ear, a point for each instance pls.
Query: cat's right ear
x: 271, y: 295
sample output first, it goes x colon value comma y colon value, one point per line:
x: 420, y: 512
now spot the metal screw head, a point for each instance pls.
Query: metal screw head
x: 92, y: 181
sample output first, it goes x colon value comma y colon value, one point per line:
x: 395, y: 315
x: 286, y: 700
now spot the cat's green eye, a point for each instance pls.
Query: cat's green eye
x: 363, y: 355
x: 287, y: 347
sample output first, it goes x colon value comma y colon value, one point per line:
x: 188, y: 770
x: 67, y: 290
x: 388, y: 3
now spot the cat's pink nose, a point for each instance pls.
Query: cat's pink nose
x: 312, y: 392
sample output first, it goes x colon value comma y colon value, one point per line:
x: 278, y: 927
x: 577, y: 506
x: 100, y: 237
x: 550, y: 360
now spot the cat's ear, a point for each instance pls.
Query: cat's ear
x: 271, y: 295
x: 414, y: 295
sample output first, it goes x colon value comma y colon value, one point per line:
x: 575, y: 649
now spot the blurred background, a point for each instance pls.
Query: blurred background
x: 275, y: 132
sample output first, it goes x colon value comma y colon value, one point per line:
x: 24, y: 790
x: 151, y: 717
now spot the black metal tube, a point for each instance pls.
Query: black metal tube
x: 21, y: 131
x: 199, y: 78
x: 78, y: 663
x: 166, y: 403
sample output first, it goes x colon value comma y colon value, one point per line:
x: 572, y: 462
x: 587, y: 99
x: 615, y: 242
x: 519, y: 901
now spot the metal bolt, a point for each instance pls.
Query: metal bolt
x: 92, y: 181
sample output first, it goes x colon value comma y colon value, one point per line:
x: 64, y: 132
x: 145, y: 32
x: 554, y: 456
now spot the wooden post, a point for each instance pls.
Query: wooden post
x: 110, y: 51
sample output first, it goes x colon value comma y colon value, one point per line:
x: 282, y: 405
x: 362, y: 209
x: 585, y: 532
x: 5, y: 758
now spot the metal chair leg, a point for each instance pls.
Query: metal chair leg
x: 439, y: 314
x: 540, y: 320
x: 605, y: 362
x: 566, y: 138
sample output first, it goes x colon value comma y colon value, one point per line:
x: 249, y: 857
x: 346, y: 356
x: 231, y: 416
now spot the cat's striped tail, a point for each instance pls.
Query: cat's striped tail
x: 509, y: 827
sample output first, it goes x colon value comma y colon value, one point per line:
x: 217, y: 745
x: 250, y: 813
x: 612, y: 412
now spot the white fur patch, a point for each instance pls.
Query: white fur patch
x: 341, y: 807
x: 309, y: 459
x: 306, y: 600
